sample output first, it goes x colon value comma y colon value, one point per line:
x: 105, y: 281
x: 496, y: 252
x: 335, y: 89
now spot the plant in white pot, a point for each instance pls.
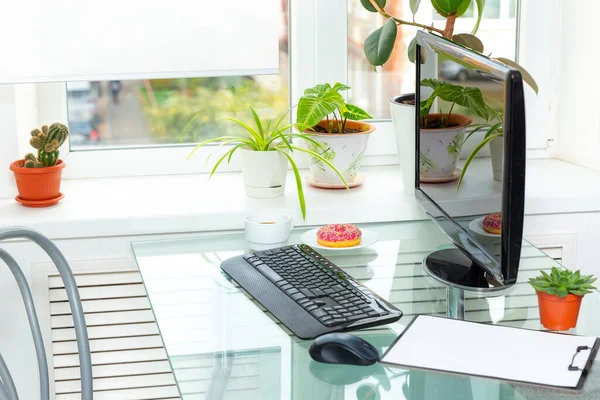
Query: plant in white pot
x: 378, y: 48
x: 266, y: 152
x: 336, y: 126
x: 442, y: 134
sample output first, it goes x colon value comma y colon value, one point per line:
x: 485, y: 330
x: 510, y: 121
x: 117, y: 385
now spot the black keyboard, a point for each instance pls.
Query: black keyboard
x: 308, y: 293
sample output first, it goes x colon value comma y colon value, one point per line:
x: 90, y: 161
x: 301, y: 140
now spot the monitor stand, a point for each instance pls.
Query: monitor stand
x: 459, y: 273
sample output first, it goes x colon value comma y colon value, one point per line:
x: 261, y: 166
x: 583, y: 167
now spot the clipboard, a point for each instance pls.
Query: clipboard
x: 517, y: 355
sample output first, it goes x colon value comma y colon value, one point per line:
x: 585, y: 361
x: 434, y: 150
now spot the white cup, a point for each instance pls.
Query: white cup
x: 267, y: 230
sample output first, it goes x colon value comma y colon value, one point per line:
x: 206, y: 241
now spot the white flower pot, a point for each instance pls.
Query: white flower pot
x: 344, y: 150
x: 497, y: 152
x: 264, y: 173
x: 440, y: 148
x: 403, y: 122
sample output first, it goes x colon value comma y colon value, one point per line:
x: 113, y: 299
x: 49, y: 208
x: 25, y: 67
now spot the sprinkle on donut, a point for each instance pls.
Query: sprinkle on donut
x: 493, y: 223
x: 339, y: 235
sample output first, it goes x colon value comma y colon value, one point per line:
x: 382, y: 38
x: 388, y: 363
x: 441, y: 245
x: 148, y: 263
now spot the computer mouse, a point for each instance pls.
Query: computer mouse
x: 342, y: 348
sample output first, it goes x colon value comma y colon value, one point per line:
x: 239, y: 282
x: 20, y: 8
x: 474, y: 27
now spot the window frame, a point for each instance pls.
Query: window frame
x: 318, y: 53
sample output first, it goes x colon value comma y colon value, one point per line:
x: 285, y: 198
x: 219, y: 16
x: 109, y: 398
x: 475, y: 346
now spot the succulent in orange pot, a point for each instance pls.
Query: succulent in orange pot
x: 559, y: 296
x: 38, y: 177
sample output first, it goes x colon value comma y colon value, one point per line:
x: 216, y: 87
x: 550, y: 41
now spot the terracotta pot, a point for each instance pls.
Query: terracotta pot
x: 559, y: 313
x: 344, y: 150
x: 36, y: 184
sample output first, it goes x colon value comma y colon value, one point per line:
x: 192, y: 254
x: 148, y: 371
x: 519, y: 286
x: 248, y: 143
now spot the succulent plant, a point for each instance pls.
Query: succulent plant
x: 561, y: 282
x: 46, y: 141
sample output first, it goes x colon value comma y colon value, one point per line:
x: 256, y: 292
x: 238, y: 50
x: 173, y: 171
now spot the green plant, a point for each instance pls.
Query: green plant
x: 269, y: 136
x: 379, y: 44
x: 318, y: 102
x: 468, y: 97
x: 561, y: 282
x: 494, y: 130
x: 46, y: 141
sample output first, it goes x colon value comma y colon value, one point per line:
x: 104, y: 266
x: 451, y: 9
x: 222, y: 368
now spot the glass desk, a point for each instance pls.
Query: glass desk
x: 223, y: 345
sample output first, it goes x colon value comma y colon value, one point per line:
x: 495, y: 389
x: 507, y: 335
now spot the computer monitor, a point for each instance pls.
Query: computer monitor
x: 447, y: 133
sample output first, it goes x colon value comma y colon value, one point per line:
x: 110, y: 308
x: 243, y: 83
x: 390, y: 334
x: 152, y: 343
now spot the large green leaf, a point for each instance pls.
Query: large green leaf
x: 480, y: 6
x: 313, y: 107
x: 367, y: 4
x: 445, y: 7
x: 340, y: 87
x: 469, y: 97
x: 412, y: 52
x: 380, y: 43
x: 470, y: 41
x: 464, y: 6
x: 414, y: 6
x: 524, y: 73
x: 354, y: 113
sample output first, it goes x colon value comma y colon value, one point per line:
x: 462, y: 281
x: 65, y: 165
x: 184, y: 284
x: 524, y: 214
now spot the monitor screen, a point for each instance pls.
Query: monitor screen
x: 464, y: 104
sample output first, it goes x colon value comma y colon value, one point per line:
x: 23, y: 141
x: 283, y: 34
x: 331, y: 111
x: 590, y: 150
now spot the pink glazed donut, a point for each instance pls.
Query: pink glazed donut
x: 339, y: 235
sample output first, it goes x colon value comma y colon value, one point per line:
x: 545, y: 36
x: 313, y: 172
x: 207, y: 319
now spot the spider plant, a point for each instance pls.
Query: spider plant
x: 269, y: 136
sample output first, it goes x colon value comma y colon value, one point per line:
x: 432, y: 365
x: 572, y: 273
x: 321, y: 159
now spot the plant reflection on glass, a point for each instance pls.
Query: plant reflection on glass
x: 493, y: 131
x: 468, y: 97
x: 269, y: 136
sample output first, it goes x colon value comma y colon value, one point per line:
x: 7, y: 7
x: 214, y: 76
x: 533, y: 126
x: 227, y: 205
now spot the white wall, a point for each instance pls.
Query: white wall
x: 577, y: 119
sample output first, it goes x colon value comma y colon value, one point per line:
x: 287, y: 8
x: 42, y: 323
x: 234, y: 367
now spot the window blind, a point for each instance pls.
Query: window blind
x: 70, y: 40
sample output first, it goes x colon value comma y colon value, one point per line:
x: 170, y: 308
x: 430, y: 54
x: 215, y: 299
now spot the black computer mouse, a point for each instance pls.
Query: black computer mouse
x: 341, y: 348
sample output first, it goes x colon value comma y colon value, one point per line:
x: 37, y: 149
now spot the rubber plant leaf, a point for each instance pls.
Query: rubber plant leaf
x: 412, y: 52
x: 470, y: 41
x: 414, y: 6
x: 354, y: 113
x: 524, y: 73
x: 445, y: 7
x: 464, y: 6
x: 480, y: 6
x: 369, y: 7
x: 380, y: 43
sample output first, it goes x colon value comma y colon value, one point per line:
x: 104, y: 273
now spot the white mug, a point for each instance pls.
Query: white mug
x: 267, y: 230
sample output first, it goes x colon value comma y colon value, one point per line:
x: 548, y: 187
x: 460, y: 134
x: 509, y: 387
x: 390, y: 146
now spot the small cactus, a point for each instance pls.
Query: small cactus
x: 46, y: 141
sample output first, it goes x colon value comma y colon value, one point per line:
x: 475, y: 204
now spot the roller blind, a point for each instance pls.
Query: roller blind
x: 70, y: 40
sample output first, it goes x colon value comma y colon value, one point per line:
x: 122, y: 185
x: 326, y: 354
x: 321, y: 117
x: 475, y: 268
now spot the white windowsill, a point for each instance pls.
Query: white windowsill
x: 193, y: 203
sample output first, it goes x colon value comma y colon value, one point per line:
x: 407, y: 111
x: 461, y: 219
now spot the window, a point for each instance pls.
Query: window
x: 140, y: 113
x: 142, y: 130
x: 373, y: 89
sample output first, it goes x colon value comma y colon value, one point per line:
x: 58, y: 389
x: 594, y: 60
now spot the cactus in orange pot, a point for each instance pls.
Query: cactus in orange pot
x: 47, y: 142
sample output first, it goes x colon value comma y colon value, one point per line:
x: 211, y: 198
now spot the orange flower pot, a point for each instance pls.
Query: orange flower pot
x: 559, y: 313
x: 37, y: 185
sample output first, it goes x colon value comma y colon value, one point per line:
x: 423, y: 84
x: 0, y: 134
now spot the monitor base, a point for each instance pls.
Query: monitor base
x: 459, y: 273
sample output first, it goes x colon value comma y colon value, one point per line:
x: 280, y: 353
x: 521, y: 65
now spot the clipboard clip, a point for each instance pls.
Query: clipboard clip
x: 573, y: 367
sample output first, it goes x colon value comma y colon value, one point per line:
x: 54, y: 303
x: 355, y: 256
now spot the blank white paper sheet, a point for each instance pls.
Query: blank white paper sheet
x: 512, y: 354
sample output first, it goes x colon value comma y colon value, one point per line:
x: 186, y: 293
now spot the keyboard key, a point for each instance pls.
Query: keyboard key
x: 307, y: 293
x: 297, y: 296
x: 346, y: 314
x: 269, y: 273
x: 318, y: 292
x: 310, y: 307
x: 335, y: 321
x: 291, y: 291
x: 325, y: 318
x: 318, y: 313
x: 372, y: 313
x: 319, y: 302
x: 356, y: 317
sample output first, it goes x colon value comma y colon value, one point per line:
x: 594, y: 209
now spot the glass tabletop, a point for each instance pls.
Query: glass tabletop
x: 222, y: 344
